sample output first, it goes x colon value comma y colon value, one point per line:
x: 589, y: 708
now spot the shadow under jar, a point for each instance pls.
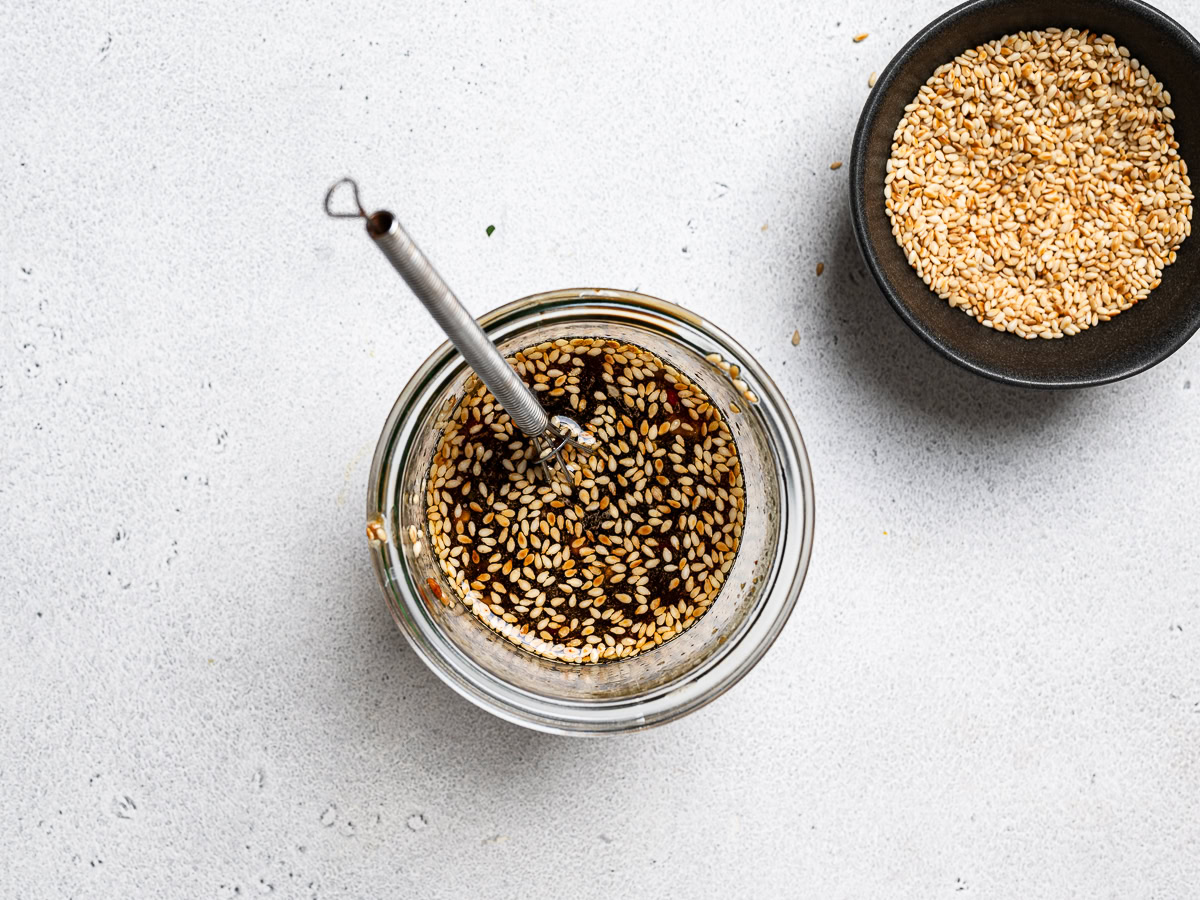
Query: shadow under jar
x: 658, y: 684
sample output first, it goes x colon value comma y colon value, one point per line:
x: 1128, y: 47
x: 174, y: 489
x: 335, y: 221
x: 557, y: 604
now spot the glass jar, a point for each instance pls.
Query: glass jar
x: 659, y: 684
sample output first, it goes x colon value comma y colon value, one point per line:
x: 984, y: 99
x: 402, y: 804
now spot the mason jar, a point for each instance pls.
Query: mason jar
x: 659, y: 684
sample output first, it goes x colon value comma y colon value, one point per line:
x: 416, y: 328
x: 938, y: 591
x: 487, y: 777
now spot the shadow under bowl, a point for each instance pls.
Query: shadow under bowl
x: 1131, y: 342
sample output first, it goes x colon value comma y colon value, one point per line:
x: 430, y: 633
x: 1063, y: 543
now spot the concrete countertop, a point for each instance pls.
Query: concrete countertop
x: 991, y: 685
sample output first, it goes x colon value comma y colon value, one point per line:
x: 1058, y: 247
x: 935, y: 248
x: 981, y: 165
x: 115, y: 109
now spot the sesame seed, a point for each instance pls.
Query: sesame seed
x: 1065, y: 209
x: 558, y: 550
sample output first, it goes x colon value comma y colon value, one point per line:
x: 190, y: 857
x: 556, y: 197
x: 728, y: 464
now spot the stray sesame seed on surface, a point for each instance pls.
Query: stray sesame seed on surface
x: 835, y: 165
x: 859, y: 38
x: 1036, y: 184
x: 796, y: 338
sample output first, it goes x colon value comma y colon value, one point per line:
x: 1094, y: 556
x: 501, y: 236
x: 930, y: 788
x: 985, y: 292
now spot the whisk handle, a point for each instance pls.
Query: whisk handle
x: 464, y: 332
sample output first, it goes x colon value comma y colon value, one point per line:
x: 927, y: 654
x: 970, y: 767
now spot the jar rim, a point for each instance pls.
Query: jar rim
x: 713, y: 676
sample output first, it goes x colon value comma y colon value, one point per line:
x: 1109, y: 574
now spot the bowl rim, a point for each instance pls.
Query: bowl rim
x: 691, y: 691
x: 858, y: 201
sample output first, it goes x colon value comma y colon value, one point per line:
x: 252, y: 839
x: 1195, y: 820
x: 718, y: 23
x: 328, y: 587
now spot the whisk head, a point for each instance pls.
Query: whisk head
x: 563, y: 432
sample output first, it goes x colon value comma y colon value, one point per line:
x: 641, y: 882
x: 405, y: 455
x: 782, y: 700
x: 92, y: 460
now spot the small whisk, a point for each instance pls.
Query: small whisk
x: 551, y: 434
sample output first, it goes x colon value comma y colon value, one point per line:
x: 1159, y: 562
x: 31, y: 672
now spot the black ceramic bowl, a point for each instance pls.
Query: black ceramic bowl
x: 1135, y: 340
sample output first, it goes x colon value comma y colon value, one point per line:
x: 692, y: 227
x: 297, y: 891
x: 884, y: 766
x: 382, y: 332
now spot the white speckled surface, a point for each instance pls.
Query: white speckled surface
x: 991, y: 685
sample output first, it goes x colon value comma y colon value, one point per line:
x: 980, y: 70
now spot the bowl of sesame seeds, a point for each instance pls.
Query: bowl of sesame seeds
x: 1020, y: 189
x: 638, y: 586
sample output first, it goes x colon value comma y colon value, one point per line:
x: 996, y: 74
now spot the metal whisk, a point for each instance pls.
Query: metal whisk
x: 552, y: 434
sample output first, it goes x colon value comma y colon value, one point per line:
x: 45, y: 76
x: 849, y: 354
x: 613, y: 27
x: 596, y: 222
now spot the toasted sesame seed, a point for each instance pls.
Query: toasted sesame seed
x: 835, y: 165
x: 1060, y: 214
x: 376, y: 531
x: 547, y: 555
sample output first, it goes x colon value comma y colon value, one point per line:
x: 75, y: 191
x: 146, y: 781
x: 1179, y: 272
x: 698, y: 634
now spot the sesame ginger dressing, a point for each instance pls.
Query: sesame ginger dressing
x: 626, y: 557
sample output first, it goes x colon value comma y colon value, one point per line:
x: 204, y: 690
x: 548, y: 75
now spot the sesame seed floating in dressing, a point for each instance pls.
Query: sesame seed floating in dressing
x: 627, y: 557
